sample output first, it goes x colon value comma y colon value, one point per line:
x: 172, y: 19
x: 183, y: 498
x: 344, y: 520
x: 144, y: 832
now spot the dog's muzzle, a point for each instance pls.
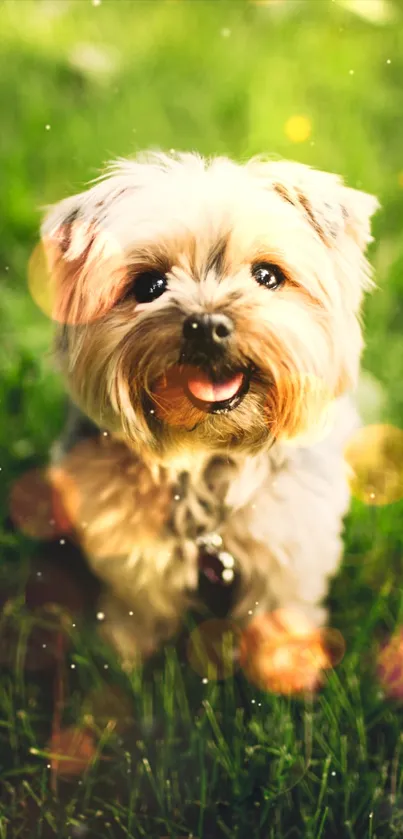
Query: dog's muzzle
x: 209, y: 381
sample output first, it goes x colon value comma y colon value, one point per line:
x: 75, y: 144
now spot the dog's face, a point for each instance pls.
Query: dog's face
x: 208, y: 304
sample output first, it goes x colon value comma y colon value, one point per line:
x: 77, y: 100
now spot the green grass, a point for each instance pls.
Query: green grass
x: 222, y: 759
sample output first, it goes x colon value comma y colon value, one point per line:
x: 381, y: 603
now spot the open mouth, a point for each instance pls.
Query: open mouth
x: 216, y: 397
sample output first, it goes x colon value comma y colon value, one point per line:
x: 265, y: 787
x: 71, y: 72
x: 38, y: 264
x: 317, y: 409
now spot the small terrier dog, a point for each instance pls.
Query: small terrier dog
x: 208, y: 330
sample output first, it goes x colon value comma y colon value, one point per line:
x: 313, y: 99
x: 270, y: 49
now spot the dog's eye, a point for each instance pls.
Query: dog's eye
x: 268, y: 274
x: 148, y: 286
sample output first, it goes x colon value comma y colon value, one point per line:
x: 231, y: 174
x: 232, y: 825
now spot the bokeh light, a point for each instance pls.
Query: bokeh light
x: 284, y: 653
x: 76, y: 274
x: 390, y: 666
x: 96, y: 482
x: 212, y: 649
x: 36, y: 507
x: 39, y: 281
x: 71, y: 751
x: 374, y: 456
x: 298, y: 128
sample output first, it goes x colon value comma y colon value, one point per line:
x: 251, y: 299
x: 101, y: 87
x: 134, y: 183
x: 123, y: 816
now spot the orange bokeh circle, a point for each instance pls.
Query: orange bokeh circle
x: 284, y: 653
x: 374, y: 456
x: 36, y: 507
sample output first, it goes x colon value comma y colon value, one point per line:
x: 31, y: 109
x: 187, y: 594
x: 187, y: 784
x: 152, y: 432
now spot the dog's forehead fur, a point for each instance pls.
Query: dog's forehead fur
x: 159, y: 195
x: 183, y: 211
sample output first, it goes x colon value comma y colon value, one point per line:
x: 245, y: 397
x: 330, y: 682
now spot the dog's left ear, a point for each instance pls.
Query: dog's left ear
x: 329, y: 206
x: 84, y: 261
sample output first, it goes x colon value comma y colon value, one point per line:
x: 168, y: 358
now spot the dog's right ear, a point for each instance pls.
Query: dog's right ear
x: 84, y: 263
x: 333, y: 210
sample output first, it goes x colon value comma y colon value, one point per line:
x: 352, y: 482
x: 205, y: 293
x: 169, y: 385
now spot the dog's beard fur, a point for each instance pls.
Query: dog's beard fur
x: 203, y: 225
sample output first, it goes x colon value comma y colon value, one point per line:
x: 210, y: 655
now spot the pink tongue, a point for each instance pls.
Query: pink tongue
x: 204, y: 389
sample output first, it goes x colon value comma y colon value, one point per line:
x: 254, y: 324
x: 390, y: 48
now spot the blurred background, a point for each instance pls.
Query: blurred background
x: 86, y: 81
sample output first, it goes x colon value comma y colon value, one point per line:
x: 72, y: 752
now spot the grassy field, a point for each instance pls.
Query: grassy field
x: 82, y: 82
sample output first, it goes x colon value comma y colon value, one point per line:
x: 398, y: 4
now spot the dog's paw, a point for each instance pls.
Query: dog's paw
x: 285, y: 653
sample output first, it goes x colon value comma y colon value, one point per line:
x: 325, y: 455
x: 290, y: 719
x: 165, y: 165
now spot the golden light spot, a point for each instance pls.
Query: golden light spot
x: 212, y: 649
x: 374, y: 11
x: 298, y: 128
x: 374, y: 457
x: 284, y: 653
x: 77, y: 272
x: 390, y: 666
x: 39, y: 281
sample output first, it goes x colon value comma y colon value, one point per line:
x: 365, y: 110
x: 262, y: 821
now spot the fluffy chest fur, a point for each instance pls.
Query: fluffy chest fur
x: 276, y: 512
x: 279, y: 513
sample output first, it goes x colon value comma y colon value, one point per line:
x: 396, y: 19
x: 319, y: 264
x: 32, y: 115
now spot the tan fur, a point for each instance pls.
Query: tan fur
x: 269, y: 474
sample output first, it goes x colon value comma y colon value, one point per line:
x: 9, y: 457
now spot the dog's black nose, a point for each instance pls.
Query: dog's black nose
x: 204, y: 330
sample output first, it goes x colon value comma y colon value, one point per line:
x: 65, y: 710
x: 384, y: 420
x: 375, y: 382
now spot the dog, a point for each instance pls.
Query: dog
x: 208, y: 332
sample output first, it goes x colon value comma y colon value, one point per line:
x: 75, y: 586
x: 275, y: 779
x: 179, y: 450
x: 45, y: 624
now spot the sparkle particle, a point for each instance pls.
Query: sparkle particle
x: 100, y: 616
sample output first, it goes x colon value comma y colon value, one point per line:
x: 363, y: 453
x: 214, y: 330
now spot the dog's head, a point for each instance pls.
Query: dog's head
x: 209, y: 304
